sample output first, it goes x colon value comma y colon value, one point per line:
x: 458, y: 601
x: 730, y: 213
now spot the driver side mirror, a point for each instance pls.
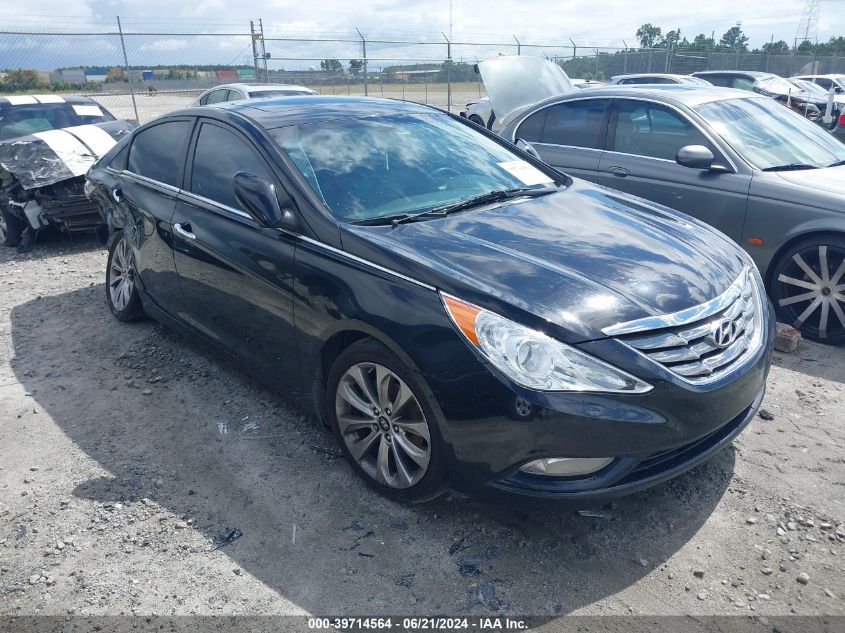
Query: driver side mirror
x: 695, y: 157
x: 525, y: 146
x: 263, y: 202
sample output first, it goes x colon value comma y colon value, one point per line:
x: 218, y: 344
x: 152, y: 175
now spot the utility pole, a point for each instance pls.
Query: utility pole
x: 126, y: 69
x: 263, y: 50
x: 253, y: 35
x: 364, y: 52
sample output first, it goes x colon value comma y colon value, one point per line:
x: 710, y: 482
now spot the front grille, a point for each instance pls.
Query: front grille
x: 703, y: 343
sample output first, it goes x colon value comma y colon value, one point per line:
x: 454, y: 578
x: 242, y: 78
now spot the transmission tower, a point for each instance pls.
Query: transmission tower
x: 808, y: 27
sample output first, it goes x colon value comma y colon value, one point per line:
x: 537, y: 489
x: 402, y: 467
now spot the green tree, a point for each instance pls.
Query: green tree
x: 649, y: 35
x: 735, y: 39
x: 331, y: 65
x: 703, y: 42
x: 673, y: 38
x: 776, y: 47
x: 355, y: 66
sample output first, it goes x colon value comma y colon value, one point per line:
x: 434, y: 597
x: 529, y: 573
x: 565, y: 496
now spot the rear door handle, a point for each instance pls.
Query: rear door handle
x: 621, y: 172
x: 185, y: 231
x: 117, y: 194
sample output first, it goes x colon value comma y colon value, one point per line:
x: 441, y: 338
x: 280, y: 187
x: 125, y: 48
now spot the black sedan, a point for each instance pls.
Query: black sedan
x: 458, y: 312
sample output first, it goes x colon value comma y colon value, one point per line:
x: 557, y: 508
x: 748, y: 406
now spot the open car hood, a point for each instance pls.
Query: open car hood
x: 45, y: 158
x: 517, y: 81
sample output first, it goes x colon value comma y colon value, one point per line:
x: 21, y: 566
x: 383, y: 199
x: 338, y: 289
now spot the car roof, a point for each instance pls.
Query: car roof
x: 673, y: 75
x: 829, y: 75
x: 275, y: 112
x: 252, y: 87
x: 689, y: 95
x: 748, y: 73
x: 50, y: 99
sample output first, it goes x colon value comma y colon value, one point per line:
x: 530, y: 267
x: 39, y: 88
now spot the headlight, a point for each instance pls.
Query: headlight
x: 534, y: 360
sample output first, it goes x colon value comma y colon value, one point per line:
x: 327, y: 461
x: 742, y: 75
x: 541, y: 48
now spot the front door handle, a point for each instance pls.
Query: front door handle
x: 185, y: 231
x: 117, y: 194
x: 621, y: 172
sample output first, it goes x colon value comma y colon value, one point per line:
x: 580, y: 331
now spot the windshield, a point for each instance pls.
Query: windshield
x: 20, y: 120
x: 768, y: 135
x: 371, y: 168
x: 778, y: 85
x: 814, y: 90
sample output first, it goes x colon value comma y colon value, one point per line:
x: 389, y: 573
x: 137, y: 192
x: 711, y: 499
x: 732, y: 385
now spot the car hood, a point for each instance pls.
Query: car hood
x: 574, y: 262
x: 45, y: 158
x: 515, y: 81
x: 827, y: 180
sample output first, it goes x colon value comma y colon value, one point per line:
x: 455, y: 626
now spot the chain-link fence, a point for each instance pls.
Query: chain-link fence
x: 139, y: 70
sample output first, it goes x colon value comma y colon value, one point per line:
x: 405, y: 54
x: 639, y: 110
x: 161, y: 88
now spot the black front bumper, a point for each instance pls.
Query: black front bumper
x: 651, y: 437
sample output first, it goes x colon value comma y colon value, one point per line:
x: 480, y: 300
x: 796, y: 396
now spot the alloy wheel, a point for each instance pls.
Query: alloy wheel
x: 121, y: 276
x: 383, y: 426
x: 811, y: 292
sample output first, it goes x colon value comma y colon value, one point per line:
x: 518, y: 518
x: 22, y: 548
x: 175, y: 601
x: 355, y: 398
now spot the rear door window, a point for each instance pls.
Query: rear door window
x: 576, y: 123
x: 647, y: 129
x: 158, y: 152
x: 218, y: 156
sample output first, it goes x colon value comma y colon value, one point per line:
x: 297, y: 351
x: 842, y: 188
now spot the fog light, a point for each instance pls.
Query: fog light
x: 565, y: 466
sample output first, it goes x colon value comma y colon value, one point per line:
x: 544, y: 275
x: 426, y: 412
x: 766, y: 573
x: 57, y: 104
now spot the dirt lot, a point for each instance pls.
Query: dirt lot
x: 128, y: 455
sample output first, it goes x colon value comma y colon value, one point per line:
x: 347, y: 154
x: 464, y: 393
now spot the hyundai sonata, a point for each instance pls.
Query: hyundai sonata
x: 455, y: 310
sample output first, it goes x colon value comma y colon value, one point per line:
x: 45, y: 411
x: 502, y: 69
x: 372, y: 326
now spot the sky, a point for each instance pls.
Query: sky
x: 590, y: 23
x: 598, y: 22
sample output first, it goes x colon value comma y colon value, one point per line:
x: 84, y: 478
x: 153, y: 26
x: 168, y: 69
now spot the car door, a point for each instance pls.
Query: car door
x: 569, y: 135
x: 146, y: 196
x: 642, y: 142
x: 236, y: 275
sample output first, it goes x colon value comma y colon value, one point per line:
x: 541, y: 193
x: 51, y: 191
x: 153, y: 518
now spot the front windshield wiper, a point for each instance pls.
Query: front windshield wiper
x: 838, y: 163
x: 490, y: 197
x: 383, y: 220
x: 791, y: 167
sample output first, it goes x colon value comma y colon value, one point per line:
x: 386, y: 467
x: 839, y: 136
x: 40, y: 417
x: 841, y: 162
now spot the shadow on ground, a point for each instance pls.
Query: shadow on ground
x: 311, y: 531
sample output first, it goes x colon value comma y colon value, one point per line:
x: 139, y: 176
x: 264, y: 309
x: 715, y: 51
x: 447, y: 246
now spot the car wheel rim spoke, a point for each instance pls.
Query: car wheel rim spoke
x: 823, y: 263
x: 798, y: 298
x: 798, y: 282
x: 805, y: 315
x: 2, y: 228
x: 838, y: 274
x: 807, y: 270
x: 382, y: 425
x: 837, y: 310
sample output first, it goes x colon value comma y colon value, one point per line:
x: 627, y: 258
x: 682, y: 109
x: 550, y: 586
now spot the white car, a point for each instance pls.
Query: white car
x: 236, y: 92
x: 478, y: 111
x: 826, y: 81
x: 527, y: 77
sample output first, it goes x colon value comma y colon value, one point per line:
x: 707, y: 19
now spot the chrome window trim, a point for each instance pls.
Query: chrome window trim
x: 673, y: 107
x: 192, y: 197
x: 682, y: 317
x: 155, y: 184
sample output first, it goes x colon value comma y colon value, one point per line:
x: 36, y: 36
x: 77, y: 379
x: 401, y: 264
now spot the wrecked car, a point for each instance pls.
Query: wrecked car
x: 458, y: 312
x: 47, y: 143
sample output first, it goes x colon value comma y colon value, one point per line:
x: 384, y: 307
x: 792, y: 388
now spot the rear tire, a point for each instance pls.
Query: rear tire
x: 385, y: 426
x: 121, y: 286
x: 808, y: 288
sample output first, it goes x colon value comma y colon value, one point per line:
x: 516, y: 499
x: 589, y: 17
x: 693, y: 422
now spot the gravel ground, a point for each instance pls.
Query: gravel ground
x: 140, y: 473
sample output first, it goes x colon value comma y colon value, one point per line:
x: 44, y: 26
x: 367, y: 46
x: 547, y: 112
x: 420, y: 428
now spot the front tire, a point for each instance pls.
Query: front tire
x: 383, y: 423
x: 476, y: 119
x: 808, y: 288
x: 11, y: 228
x: 121, y: 284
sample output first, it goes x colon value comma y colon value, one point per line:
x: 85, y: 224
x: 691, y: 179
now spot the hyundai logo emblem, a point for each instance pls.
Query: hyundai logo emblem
x: 723, y: 333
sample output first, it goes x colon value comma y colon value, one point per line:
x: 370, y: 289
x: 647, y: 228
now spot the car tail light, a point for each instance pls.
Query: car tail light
x: 842, y: 119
